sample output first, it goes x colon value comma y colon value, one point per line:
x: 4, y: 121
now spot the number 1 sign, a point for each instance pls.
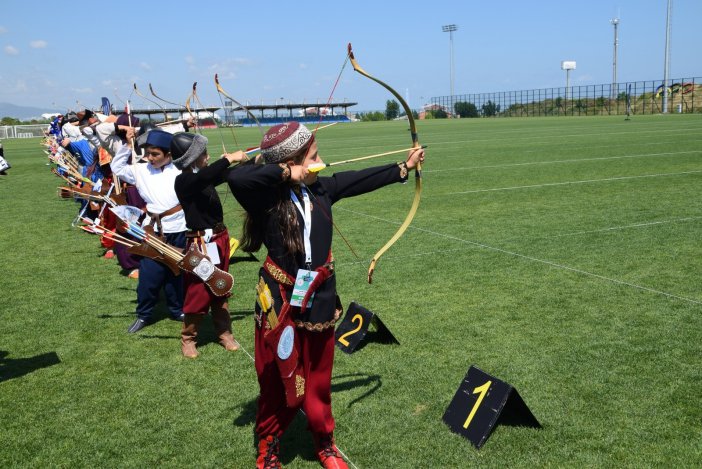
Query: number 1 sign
x: 481, y: 402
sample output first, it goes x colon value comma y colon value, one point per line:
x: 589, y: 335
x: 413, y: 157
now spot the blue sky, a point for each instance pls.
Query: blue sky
x: 264, y: 51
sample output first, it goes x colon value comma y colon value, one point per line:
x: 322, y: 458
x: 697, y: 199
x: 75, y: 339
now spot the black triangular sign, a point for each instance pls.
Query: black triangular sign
x: 481, y: 402
x: 382, y: 333
x: 354, y: 327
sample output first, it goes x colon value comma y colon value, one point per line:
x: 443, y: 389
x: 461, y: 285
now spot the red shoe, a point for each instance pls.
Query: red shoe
x: 268, y: 451
x: 109, y: 254
x: 328, y: 454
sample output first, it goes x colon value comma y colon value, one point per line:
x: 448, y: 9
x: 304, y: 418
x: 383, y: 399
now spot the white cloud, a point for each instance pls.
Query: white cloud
x: 3, y: 29
x: 82, y: 90
x: 39, y: 44
x: 10, y: 50
x: 145, y: 66
x: 189, y: 59
x: 303, y: 66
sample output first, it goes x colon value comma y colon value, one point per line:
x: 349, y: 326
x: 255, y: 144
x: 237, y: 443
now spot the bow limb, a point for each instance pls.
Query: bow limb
x: 187, y: 103
x: 221, y: 91
x: 165, y: 115
x: 151, y: 88
x: 418, y: 169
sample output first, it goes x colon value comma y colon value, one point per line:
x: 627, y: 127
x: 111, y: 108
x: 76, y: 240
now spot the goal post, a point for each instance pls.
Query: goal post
x: 30, y: 130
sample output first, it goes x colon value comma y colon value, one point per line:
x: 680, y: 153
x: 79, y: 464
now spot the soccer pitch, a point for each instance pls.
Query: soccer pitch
x: 561, y: 255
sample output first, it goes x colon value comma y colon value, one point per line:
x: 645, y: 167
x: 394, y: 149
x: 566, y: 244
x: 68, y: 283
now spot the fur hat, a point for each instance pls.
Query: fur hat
x: 158, y: 138
x: 283, y: 140
x: 186, y: 148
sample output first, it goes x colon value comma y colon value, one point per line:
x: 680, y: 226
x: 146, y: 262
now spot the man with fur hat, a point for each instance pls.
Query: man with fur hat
x: 288, y: 209
x: 155, y: 183
x: 195, y: 188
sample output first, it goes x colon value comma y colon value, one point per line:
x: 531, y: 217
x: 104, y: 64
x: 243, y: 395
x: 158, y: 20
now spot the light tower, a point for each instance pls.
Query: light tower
x: 615, y: 87
x: 666, y: 65
x: 567, y: 65
x: 450, y: 28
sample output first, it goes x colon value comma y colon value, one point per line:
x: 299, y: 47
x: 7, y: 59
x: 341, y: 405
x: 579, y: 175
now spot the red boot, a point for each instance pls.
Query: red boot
x: 268, y: 451
x: 328, y: 453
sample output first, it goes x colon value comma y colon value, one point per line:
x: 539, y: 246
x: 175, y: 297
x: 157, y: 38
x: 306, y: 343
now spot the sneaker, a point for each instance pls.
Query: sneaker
x: 137, y: 325
x: 109, y: 254
x: 134, y: 274
x: 268, y: 453
x: 180, y: 317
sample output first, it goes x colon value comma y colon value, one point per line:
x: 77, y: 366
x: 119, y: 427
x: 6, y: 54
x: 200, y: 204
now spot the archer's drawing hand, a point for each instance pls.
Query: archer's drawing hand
x: 298, y: 173
x: 235, y: 157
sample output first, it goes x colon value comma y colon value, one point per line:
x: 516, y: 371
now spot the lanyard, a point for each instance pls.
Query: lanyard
x: 307, y: 216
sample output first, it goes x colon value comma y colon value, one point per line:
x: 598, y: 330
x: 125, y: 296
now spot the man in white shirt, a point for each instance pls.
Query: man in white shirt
x: 155, y: 183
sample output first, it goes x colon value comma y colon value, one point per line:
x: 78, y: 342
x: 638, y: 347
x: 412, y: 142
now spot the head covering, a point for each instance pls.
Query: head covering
x: 157, y: 138
x: 71, y: 117
x: 84, y: 117
x: 186, y: 148
x: 124, y: 119
x: 283, y: 140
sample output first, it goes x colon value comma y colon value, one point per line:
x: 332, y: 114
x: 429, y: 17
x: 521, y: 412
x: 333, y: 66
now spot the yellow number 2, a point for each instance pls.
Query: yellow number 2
x: 342, y: 339
x: 482, y: 390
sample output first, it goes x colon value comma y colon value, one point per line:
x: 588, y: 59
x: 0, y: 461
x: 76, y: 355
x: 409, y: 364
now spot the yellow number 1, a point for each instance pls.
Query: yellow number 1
x: 482, y: 390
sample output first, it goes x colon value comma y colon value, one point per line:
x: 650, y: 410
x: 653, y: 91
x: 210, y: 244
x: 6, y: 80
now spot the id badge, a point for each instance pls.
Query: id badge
x: 302, y: 284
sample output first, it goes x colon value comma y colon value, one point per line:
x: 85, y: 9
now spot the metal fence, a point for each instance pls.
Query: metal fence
x: 640, y: 97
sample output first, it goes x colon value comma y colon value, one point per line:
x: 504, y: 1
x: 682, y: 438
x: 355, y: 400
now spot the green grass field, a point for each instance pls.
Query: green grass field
x: 561, y: 255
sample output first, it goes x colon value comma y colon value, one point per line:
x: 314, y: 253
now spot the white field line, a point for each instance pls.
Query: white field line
x: 534, y: 259
x: 575, y: 233
x: 553, y: 184
x: 578, y: 160
x: 529, y: 135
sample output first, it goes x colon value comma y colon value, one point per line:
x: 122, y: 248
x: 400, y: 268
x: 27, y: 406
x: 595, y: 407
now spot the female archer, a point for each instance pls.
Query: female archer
x: 288, y: 209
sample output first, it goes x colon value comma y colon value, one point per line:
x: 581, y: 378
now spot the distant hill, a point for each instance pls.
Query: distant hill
x: 23, y: 112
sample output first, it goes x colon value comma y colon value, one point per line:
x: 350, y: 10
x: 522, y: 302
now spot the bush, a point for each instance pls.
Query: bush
x: 464, y: 109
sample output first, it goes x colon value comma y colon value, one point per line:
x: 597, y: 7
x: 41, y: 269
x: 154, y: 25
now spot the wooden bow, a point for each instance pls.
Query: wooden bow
x: 418, y: 169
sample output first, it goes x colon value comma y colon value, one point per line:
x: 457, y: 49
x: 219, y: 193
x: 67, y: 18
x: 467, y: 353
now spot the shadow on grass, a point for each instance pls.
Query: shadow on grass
x: 243, y: 257
x: 14, y: 368
x: 376, y: 337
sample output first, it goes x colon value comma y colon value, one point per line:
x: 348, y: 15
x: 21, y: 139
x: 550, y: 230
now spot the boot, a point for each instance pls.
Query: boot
x: 268, y: 453
x: 188, y: 336
x: 223, y: 327
x: 327, y: 452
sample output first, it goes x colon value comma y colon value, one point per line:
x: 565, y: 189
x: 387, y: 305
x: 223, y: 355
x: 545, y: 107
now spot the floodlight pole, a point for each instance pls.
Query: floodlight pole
x: 450, y: 28
x: 666, y: 65
x: 615, y: 90
x: 567, y: 65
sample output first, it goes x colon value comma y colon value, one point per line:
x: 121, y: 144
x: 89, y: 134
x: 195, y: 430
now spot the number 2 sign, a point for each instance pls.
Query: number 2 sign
x: 481, y: 402
x: 353, y: 329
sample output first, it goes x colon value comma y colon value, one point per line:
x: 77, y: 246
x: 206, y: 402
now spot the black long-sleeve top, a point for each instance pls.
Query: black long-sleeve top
x: 256, y: 188
x: 198, y: 197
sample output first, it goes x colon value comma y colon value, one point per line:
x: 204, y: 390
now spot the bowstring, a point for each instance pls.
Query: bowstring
x: 324, y: 212
x: 331, y: 95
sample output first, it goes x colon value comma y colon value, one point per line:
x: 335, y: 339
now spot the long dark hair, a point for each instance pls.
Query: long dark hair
x: 284, y: 212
